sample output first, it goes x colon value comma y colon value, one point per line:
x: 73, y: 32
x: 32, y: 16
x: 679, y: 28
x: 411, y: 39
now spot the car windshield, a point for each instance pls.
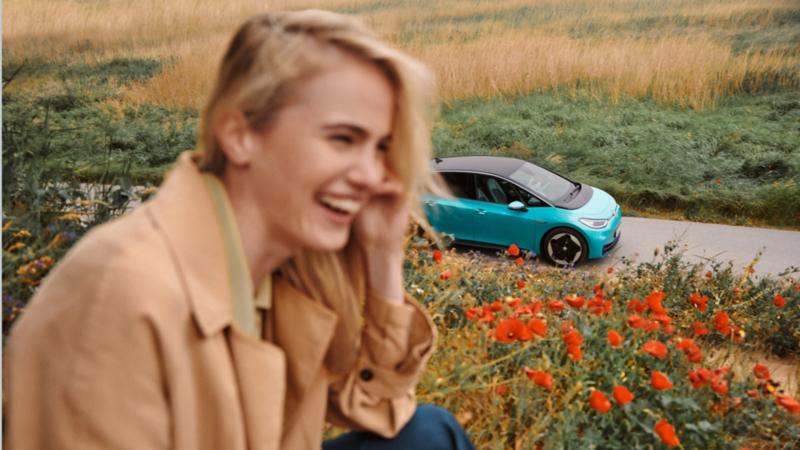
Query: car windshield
x: 542, y: 182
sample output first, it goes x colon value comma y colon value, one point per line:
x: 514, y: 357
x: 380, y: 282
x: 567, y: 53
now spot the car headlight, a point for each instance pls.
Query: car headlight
x: 595, y: 223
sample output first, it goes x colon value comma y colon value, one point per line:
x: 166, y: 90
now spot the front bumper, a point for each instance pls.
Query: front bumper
x: 610, y: 246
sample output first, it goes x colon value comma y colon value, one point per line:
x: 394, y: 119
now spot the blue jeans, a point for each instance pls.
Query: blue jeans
x: 431, y: 428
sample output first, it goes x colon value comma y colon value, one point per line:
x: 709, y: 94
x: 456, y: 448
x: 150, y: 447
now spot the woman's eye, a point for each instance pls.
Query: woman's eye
x: 343, y: 139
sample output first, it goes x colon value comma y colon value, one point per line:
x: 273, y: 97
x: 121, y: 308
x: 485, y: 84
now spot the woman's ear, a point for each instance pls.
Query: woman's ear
x: 235, y: 137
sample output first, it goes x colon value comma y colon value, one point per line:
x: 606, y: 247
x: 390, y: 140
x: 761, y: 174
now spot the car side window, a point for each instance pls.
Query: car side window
x: 495, y: 190
x: 529, y: 199
x: 460, y: 183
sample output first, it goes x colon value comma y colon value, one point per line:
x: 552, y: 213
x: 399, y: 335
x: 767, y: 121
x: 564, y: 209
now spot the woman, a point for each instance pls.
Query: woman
x: 225, y: 313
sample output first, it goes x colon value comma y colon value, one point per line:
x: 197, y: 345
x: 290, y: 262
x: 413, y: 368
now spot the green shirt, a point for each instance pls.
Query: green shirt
x: 247, y: 303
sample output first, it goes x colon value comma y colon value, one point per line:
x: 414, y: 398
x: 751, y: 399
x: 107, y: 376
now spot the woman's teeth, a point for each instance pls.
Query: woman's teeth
x: 342, y: 205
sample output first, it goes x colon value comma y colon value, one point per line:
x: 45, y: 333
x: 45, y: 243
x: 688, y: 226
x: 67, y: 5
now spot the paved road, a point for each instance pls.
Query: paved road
x: 640, y: 238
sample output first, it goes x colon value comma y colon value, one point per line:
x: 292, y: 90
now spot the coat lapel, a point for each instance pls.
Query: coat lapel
x: 303, y: 329
x: 261, y: 375
x: 185, y: 213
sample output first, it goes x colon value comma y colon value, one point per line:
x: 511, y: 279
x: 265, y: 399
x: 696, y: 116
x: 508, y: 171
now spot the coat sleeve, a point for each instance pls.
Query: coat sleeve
x: 378, y: 393
x: 83, y: 368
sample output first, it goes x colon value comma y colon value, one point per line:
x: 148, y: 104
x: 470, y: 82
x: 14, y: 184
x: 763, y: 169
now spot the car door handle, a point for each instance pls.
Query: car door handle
x: 539, y: 221
x: 481, y: 211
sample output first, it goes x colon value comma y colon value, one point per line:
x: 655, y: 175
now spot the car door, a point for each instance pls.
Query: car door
x: 495, y: 223
x: 454, y: 215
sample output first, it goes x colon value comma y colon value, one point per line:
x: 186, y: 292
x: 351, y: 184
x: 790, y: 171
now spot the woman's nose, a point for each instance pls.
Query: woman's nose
x: 368, y: 170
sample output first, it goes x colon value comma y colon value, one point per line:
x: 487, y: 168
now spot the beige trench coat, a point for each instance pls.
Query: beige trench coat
x: 128, y: 345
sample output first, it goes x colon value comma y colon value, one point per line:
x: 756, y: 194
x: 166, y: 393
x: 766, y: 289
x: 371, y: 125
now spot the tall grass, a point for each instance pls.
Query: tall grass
x: 689, y: 52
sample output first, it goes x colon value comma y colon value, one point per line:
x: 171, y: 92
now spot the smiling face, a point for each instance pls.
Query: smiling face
x: 319, y: 160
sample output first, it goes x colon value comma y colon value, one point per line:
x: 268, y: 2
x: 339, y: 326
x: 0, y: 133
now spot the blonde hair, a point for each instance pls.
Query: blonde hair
x: 268, y: 58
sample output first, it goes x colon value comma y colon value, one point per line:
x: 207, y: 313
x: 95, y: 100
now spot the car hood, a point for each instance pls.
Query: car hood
x: 600, y: 206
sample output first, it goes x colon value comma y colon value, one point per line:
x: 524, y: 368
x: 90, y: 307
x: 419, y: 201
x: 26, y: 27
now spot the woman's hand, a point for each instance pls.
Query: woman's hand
x: 379, y: 230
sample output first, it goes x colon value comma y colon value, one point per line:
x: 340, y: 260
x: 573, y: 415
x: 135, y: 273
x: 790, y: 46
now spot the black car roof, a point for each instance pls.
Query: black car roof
x: 498, y: 165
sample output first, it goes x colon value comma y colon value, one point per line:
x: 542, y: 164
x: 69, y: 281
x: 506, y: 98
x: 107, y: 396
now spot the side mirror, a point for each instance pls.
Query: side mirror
x: 517, y: 206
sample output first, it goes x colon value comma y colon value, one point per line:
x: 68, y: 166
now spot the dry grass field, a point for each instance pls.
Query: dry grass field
x: 684, y: 52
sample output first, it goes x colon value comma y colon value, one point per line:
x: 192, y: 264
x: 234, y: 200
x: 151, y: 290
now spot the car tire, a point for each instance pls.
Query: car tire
x: 564, y: 247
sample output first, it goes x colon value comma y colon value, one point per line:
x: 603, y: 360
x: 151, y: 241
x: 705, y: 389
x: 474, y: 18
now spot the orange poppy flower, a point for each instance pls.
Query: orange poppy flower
x: 699, y: 329
x: 599, y: 401
x: 697, y: 382
x: 788, y: 402
x: 519, y: 261
x: 500, y: 390
x: 446, y: 275
x: 663, y: 319
x: 556, y: 305
x: 694, y: 355
x: 515, y: 302
x: 719, y: 386
x: 752, y: 393
x: 535, y: 307
x: 437, y: 256
x: 751, y: 270
x: 566, y: 326
x: 520, y: 284
x: 539, y: 378
x: 495, y: 306
x: 598, y: 289
x: 704, y: 374
x: 511, y: 330
x: 737, y: 290
x: 622, y: 395
x: 649, y: 325
x: 761, y: 372
x: 610, y: 270
x: 636, y: 305
x: 513, y: 250
x: 473, y: 313
x: 656, y: 349
x: 796, y: 287
x: 573, y: 338
x: 667, y: 433
x: 521, y: 311
x: 537, y: 326
x: 574, y: 351
x: 698, y: 301
x: 635, y: 321
x: 721, y: 321
x: 653, y: 301
x: 575, y: 302
x: 722, y: 370
x: 598, y: 306
x: 684, y: 344
x: 659, y: 381
x: 488, y: 316
x: 614, y: 338
x: 779, y: 301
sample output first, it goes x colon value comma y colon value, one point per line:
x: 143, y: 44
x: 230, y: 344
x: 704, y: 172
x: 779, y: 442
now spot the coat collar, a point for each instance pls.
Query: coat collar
x: 185, y: 213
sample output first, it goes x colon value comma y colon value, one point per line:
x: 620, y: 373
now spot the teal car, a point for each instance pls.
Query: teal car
x: 501, y: 201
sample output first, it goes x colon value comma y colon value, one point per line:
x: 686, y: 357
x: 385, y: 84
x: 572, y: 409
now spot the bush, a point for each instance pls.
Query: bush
x: 499, y: 390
